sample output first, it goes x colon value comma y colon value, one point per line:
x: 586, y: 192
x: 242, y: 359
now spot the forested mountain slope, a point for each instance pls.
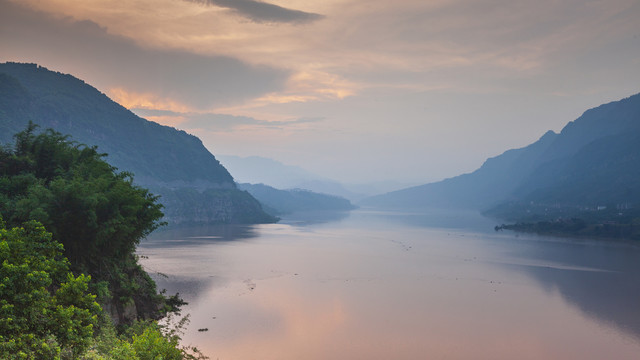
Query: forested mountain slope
x: 163, y: 159
x: 594, y: 160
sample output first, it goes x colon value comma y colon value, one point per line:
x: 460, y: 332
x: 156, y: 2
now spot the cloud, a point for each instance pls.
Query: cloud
x: 305, y: 120
x: 211, y: 121
x: 154, y: 112
x: 217, y: 122
x: 89, y: 51
x: 396, y: 81
x: 262, y: 12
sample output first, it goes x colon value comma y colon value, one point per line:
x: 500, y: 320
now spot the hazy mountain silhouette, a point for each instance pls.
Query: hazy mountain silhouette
x: 281, y: 202
x: 594, y: 160
x: 261, y: 170
x: 162, y: 158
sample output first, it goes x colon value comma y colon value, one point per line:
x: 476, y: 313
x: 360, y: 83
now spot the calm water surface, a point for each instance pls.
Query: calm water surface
x: 373, y: 285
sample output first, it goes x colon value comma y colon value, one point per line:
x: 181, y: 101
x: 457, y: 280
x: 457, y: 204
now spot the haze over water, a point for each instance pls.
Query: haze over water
x: 373, y: 285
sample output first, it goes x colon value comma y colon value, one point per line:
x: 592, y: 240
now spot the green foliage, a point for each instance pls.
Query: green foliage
x: 152, y: 345
x: 96, y: 213
x: 160, y: 156
x: 97, y: 217
x: 610, y: 223
x: 166, y: 336
x: 45, y: 311
x: 89, y: 207
x: 71, y: 106
x: 144, y: 340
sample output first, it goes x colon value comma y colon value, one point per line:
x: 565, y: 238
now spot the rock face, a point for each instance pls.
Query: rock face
x: 126, y: 314
x: 227, y: 206
x: 170, y: 162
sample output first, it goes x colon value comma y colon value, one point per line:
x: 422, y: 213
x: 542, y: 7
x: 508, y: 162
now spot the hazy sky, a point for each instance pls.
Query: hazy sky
x: 359, y: 91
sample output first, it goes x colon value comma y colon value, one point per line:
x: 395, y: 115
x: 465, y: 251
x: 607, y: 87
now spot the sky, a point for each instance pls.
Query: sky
x: 358, y: 91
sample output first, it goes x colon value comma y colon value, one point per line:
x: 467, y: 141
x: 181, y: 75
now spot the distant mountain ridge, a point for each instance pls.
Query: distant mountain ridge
x: 281, y: 202
x: 491, y: 183
x: 595, y: 159
x: 261, y: 170
x: 162, y: 158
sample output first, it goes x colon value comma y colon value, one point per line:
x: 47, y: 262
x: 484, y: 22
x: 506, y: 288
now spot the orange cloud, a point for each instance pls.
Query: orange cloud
x: 173, y: 121
x: 303, y: 86
x: 136, y: 100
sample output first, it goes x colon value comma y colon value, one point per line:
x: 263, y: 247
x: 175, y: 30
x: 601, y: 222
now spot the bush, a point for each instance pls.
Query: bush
x: 45, y: 311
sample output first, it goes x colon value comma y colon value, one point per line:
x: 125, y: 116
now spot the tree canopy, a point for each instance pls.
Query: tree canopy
x: 97, y: 213
x: 45, y: 311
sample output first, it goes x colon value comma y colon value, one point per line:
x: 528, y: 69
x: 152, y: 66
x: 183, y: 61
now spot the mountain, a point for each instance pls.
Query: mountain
x: 261, y: 170
x: 490, y: 184
x: 594, y: 160
x: 281, y: 202
x: 163, y: 159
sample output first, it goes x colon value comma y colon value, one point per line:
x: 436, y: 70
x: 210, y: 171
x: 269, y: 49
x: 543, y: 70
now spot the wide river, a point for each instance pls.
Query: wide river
x: 378, y: 285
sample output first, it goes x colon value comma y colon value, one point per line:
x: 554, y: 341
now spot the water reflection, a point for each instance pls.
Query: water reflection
x: 376, y: 286
x: 173, y: 256
x: 434, y: 218
x: 601, y: 278
x: 196, y: 234
x: 305, y: 218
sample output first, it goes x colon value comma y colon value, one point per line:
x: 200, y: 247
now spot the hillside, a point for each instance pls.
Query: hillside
x: 492, y: 183
x: 162, y: 158
x: 261, y: 170
x: 281, y: 202
x: 594, y: 160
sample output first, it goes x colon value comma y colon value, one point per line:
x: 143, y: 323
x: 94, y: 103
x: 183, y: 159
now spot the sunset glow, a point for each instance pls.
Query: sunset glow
x: 392, y: 69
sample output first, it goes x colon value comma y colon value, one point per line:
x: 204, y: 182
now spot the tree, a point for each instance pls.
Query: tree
x: 45, y: 311
x: 98, y: 214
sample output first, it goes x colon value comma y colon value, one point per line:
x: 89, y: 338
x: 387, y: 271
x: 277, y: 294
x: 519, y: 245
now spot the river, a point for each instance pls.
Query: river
x: 387, y: 285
